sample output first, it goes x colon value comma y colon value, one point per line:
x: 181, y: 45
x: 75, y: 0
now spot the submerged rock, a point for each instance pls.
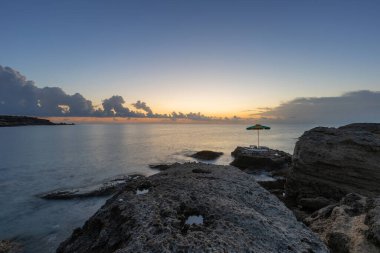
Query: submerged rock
x: 102, y: 189
x: 223, y: 210
x: 332, y: 162
x: 163, y: 166
x: 352, y: 225
x: 206, y: 155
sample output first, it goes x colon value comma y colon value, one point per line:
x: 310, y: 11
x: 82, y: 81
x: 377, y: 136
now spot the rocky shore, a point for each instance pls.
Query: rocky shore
x: 194, y: 208
x: 334, y: 186
x: 11, y: 121
x: 326, y: 198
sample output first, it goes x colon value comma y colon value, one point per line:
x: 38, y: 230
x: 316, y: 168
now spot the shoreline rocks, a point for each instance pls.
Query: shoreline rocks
x: 193, y: 207
x: 12, y: 121
x: 333, y: 186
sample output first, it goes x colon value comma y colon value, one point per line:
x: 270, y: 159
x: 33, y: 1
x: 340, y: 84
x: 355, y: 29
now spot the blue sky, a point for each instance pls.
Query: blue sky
x: 217, y: 57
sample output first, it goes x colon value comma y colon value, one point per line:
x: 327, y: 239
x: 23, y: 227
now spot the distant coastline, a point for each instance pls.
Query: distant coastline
x: 12, y: 121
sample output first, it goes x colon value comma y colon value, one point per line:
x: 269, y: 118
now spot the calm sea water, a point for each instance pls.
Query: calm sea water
x: 42, y: 158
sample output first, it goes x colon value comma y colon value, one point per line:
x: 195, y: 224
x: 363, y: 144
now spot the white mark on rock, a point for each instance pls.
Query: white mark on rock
x: 264, y: 177
x: 143, y: 191
x: 121, y: 200
x: 194, y: 219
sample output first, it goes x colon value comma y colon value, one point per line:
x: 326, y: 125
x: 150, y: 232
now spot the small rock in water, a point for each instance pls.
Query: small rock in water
x: 206, y: 155
x: 143, y: 191
x: 194, y: 220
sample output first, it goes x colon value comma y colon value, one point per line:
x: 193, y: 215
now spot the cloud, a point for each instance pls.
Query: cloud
x: 191, y: 115
x: 143, y: 106
x: 20, y: 96
x: 357, y: 106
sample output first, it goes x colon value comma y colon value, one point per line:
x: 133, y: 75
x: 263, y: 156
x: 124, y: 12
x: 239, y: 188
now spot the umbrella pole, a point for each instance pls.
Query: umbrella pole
x: 258, y: 139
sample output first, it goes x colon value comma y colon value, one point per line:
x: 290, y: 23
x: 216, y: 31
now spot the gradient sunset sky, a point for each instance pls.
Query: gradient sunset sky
x: 216, y: 57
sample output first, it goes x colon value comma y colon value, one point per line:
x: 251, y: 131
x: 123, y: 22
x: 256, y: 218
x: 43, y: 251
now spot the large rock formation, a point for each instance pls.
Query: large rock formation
x: 352, y: 225
x: 193, y: 208
x: 332, y: 162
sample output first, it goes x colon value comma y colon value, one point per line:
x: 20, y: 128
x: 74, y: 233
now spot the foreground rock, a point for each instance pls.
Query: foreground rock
x: 352, y: 225
x: 251, y: 160
x: 332, y: 162
x: 206, y: 155
x: 8, y: 121
x: 102, y: 189
x: 9, y: 247
x: 193, y: 208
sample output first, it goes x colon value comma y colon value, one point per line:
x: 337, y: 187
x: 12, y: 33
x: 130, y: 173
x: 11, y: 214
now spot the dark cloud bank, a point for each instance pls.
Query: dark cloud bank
x: 19, y: 96
x: 358, y: 106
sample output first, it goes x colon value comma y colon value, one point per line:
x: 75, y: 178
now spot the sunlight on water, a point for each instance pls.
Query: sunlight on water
x: 41, y: 159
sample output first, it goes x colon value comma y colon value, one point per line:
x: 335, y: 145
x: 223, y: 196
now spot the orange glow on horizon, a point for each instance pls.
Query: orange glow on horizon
x: 122, y: 120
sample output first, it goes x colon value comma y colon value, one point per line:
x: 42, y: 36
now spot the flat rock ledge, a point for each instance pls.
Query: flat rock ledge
x: 265, y: 159
x: 193, y: 207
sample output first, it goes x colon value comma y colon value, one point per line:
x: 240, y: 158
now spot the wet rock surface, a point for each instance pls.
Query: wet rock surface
x: 228, y: 210
x: 102, y: 189
x: 206, y: 155
x: 352, y: 225
x: 9, y: 121
x: 251, y: 159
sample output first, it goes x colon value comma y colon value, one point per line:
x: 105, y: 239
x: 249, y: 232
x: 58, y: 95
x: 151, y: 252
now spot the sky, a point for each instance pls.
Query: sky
x: 220, y: 58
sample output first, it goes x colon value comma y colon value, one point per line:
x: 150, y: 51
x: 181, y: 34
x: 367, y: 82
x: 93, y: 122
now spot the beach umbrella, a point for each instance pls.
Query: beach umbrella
x: 258, y: 127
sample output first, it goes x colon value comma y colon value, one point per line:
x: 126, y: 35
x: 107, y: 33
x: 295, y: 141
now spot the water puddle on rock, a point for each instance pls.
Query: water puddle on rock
x: 143, y: 191
x: 194, y: 220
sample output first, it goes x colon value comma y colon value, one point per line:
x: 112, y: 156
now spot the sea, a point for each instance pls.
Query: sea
x: 38, y: 159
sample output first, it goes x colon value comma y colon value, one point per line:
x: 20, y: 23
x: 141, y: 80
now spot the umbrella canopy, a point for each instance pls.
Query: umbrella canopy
x: 258, y: 127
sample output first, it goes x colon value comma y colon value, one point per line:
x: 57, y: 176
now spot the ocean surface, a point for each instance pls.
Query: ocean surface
x: 37, y: 159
